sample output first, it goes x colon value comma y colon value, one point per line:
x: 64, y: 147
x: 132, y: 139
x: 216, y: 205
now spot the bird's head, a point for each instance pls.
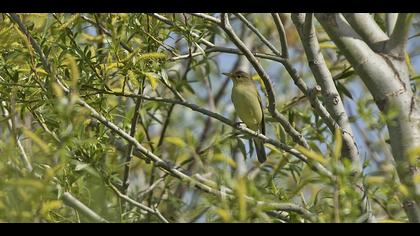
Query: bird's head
x: 238, y: 76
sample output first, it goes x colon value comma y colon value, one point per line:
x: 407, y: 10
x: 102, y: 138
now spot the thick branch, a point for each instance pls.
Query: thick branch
x: 335, y: 107
x: 398, y: 39
x: 390, y: 20
x: 372, y: 67
x: 366, y: 27
x: 387, y: 79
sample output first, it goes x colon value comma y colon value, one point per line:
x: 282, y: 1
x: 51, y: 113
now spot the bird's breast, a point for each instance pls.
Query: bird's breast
x: 247, y: 105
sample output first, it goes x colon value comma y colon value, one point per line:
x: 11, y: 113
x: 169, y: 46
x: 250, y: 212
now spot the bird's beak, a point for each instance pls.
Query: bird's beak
x: 228, y: 74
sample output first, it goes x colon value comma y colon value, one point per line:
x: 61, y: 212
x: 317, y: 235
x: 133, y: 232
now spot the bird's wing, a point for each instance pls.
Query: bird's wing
x: 262, y: 111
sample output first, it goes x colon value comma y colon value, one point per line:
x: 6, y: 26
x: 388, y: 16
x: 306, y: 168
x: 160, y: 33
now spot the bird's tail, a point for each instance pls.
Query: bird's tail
x: 259, y: 147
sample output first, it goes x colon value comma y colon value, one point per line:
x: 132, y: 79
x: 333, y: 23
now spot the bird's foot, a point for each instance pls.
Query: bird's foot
x: 240, y: 124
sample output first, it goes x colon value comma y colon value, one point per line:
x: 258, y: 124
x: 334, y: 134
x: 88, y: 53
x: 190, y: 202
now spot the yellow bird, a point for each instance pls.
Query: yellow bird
x: 248, y: 106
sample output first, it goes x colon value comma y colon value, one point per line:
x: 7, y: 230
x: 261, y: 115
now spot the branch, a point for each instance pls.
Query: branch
x: 129, y: 151
x: 36, y: 46
x: 318, y: 167
x: 207, y: 17
x: 366, y: 27
x: 171, y: 23
x: 73, y: 202
x: 334, y: 104
x: 282, y: 34
x: 371, y: 67
x: 323, y: 77
x: 138, y: 204
x: 386, y: 77
x: 23, y: 156
x: 106, y: 31
x: 228, y: 50
x: 391, y: 19
x: 398, y: 39
x: 258, y: 33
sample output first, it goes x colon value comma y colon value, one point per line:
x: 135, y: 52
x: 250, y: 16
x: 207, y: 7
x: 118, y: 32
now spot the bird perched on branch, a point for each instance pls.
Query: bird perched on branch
x: 248, y: 106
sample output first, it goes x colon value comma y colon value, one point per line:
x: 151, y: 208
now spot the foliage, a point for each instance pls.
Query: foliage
x: 100, y: 56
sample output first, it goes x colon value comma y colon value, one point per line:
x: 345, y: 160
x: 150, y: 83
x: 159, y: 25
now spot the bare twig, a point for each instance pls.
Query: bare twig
x: 207, y: 17
x: 282, y: 35
x: 138, y: 204
x: 23, y: 156
x: 133, y: 127
x: 258, y: 33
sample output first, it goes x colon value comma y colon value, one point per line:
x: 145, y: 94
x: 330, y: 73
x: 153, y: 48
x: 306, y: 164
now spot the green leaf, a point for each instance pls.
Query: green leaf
x: 176, y: 141
x: 153, y: 79
x: 312, y: 155
x: 342, y: 89
x: 338, y: 143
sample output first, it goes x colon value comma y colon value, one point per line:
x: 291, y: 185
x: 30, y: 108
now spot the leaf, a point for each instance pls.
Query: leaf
x: 338, y: 143
x: 224, y: 214
x: 375, y: 179
x: 241, y: 193
x: 175, y: 141
x: 37, y: 140
x: 410, y: 67
x: 224, y: 158
x: 344, y: 75
x: 153, y: 56
x: 153, y: 79
x: 413, y: 154
x: 341, y: 88
x: 324, y: 45
x: 242, y: 148
x: 74, y: 70
x: 256, y: 77
x: 69, y: 22
x: 50, y: 205
x: 390, y: 221
x: 312, y: 155
x: 404, y: 190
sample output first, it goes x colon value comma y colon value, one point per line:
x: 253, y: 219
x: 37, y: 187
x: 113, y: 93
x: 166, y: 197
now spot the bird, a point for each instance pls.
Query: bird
x: 248, y: 106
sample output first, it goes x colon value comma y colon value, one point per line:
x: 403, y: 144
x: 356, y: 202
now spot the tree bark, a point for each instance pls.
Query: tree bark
x: 385, y: 73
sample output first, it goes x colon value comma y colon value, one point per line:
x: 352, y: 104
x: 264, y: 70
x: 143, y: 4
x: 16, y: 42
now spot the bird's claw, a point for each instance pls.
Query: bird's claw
x: 240, y: 124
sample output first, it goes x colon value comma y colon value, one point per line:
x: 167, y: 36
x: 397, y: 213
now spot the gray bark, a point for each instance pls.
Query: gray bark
x: 386, y: 75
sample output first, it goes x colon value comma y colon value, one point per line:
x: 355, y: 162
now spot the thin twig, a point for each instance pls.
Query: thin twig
x: 24, y: 157
x: 71, y: 201
x: 138, y: 204
x: 258, y: 33
x: 282, y: 35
